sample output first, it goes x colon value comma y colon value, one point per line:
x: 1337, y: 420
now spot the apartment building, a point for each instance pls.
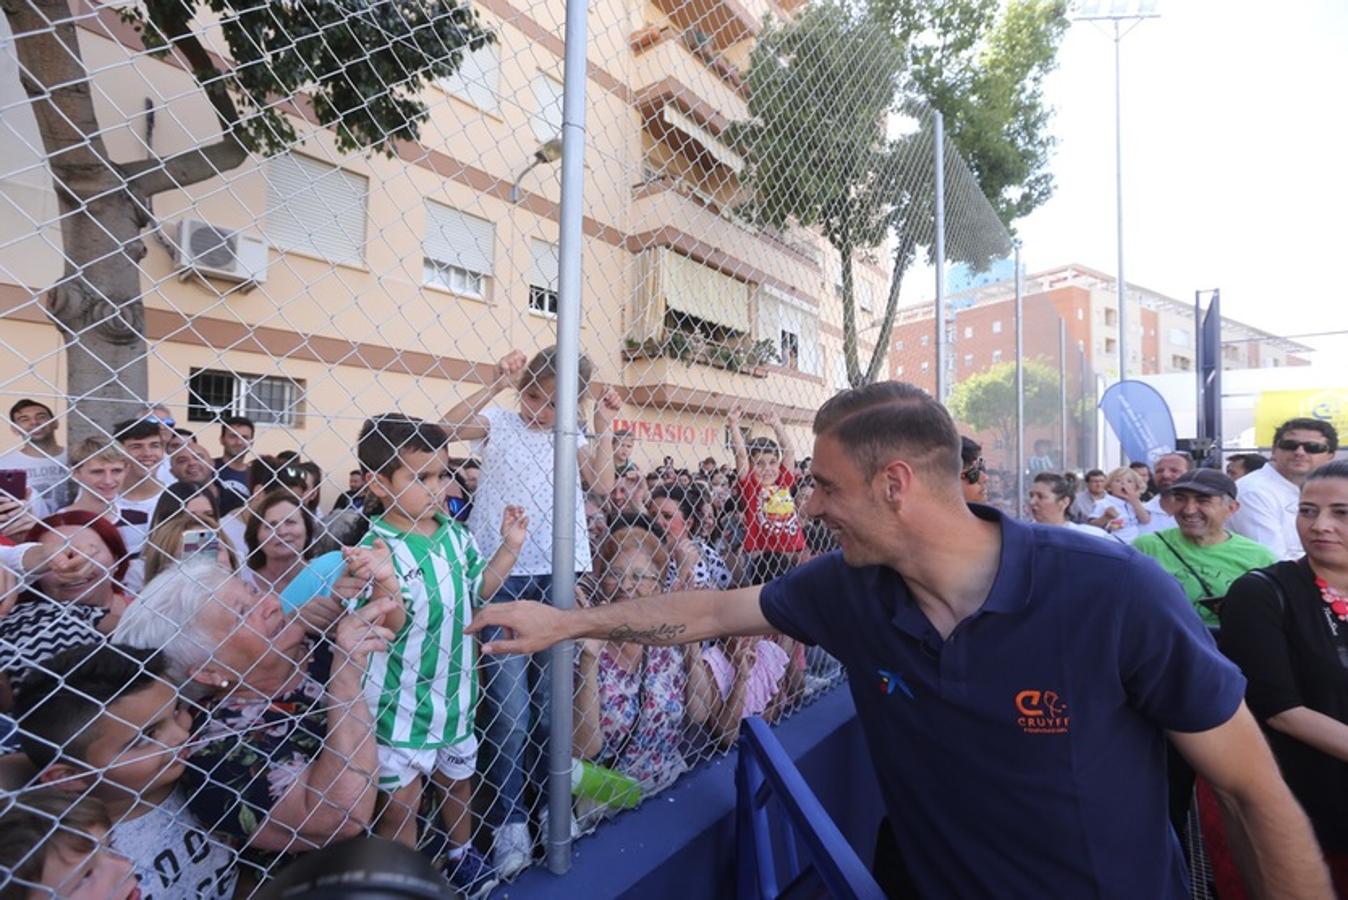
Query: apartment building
x: 1072, y: 308
x: 356, y: 283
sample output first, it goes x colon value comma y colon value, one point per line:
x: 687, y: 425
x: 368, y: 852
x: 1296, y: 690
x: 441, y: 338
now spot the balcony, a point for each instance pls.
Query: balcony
x: 687, y: 94
x: 668, y: 212
x: 725, y: 22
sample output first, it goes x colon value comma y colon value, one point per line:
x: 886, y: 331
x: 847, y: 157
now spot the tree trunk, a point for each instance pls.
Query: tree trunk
x: 96, y: 304
x: 903, y: 254
x: 104, y: 207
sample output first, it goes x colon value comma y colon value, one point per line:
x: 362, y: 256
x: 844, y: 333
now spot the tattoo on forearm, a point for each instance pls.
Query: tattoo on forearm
x: 664, y: 633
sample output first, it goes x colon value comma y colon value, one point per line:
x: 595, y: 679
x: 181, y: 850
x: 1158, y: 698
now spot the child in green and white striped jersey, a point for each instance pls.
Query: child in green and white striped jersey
x: 423, y: 691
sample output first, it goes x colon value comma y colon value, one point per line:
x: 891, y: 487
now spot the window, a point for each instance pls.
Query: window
x: 898, y: 370
x: 968, y: 359
x: 478, y: 79
x: 316, y: 208
x: 457, y: 251
x: 968, y: 331
x: 925, y: 340
x: 996, y: 326
x: 1180, y: 337
x: 793, y: 325
x: 996, y: 356
x: 1182, y: 363
x: 866, y: 296
x: 267, y: 400
x: 547, y: 121
x: 1111, y: 317
x: 925, y: 366
x: 898, y: 345
x: 1111, y: 345
x: 1080, y: 315
x: 790, y: 349
x: 840, y: 372
x: 543, y: 284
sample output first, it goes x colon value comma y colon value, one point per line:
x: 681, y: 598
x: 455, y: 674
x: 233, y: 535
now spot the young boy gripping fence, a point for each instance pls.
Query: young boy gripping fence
x: 423, y: 691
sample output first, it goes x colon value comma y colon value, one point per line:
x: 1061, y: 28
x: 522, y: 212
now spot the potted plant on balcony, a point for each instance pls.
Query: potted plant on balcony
x: 761, y: 353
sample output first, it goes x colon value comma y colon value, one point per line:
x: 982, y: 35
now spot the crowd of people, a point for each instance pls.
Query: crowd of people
x: 204, y: 673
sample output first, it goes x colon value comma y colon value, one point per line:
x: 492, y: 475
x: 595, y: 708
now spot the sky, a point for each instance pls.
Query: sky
x: 1234, y: 138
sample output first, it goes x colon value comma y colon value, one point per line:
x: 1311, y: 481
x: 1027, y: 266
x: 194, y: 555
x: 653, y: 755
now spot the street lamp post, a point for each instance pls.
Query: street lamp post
x: 1118, y: 13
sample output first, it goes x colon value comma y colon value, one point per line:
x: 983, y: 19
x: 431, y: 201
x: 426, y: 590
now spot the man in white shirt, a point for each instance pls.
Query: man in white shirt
x: 1165, y: 472
x: 40, y: 455
x: 1269, y: 496
x: 144, y: 448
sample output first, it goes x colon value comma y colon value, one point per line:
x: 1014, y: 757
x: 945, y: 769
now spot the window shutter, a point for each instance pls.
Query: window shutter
x: 545, y: 264
x: 316, y: 208
x: 478, y: 79
x: 458, y: 239
x: 547, y: 121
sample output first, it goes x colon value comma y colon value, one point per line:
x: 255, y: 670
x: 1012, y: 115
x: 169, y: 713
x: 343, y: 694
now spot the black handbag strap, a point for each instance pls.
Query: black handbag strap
x: 1207, y: 589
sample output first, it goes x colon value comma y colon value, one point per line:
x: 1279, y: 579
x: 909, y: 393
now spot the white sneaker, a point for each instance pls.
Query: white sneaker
x: 511, y: 848
x: 543, y: 826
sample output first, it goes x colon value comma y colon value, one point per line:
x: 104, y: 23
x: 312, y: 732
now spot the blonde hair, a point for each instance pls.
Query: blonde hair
x: 164, y: 546
x: 1125, y: 472
x: 95, y: 448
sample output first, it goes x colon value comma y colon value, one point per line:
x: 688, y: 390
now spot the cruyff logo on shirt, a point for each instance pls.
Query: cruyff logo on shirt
x: 1042, y: 712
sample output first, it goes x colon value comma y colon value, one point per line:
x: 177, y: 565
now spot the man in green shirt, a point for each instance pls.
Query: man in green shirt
x: 1202, y: 555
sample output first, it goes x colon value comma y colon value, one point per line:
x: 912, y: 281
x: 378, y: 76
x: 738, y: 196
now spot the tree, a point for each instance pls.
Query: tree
x: 820, y: 145
x: 986, y: 401
x: 359, y: 65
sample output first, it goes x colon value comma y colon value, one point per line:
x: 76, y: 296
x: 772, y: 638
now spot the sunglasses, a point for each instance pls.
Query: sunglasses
x: 1312, y: 447
x: 166, y: 421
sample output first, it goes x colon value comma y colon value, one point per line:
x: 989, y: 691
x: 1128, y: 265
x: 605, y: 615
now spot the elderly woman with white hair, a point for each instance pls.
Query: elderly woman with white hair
x: 285, y: 756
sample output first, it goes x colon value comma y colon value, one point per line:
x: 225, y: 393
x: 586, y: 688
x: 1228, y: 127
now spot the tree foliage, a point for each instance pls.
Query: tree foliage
x: 822, y: 151
x: 986, y: 401
x: 356, y: 65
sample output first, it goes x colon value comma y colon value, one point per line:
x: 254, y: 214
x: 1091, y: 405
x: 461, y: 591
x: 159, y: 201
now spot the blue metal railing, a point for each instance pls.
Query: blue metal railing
x: 764, y: 772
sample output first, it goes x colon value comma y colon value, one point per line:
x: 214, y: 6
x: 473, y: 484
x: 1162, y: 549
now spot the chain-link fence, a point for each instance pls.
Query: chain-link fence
x: 251, y: 255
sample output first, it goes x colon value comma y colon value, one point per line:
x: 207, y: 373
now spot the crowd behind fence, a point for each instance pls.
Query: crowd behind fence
x: 280, y: 364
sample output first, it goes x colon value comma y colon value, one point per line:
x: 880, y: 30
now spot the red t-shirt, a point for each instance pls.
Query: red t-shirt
x: 770, y: 520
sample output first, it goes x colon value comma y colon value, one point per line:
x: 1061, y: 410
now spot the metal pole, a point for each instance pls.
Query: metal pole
x: 1118, y: 191
x: 1062, y: 385
x: 1198, y: 368
x: 1085, y: 440
x: 1020, y: 390
x: 938, y: 132
x: 564, y: 464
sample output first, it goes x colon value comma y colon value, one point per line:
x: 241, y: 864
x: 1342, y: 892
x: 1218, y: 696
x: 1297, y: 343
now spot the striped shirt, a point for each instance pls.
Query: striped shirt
x: 423, y: 690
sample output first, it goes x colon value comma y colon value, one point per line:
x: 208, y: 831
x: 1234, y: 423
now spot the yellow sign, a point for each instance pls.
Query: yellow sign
x: 1275, y: 407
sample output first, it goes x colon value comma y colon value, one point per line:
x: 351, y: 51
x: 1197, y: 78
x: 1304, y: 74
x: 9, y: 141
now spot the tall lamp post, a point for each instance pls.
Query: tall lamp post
x: 1124, y: 16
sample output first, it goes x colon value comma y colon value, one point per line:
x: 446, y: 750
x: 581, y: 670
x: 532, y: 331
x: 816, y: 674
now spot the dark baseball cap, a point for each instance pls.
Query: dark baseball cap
x: 1204, y: 481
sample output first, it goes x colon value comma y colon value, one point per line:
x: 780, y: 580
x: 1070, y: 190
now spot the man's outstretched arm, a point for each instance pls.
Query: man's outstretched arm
x: 663, y: 619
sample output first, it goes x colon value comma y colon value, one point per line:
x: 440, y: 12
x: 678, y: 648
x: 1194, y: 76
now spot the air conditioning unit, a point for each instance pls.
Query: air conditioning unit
x: 215, y: 252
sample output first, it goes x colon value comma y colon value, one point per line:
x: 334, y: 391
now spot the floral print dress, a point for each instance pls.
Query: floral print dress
x: 641, y: 715
x: 252, y: 750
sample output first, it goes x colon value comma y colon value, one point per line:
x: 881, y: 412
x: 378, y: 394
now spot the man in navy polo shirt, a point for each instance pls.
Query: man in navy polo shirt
x: 1016, y: 684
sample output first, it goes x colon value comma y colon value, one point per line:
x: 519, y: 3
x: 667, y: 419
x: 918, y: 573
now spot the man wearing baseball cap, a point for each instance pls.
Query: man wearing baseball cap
x: 1202, y: 555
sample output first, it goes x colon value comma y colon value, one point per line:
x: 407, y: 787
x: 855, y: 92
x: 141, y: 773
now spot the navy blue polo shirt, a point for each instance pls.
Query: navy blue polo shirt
x: 1024, y: 756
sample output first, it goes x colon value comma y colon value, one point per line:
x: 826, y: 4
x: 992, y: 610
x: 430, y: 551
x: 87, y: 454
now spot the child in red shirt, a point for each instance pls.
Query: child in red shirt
x: 773, y: 536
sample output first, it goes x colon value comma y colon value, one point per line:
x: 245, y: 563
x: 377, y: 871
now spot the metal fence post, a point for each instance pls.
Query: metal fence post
x: 938, y: 135
x: 565, y: 429
x: 1020, y: 388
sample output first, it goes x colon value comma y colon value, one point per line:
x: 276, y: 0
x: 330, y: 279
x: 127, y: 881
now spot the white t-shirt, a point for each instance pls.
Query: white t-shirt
x: 47, y: 476
x: 1125, y: 514
x: 1160, y: 519
x: 1091, y: 530
x: 1268, y: 512
x: 172, y: 854
x: 133, y: 522
x: 517, y: 470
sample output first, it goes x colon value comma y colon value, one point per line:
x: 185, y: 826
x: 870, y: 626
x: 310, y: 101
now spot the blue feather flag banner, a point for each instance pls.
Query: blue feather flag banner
x: 1141, y: 418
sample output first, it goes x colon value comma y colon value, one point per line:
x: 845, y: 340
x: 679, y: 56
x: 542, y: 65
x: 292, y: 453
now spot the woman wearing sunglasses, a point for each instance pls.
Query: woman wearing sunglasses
x: 1268, y: 496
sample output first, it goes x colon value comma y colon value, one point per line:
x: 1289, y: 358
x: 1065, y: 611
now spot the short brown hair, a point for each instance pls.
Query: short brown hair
x: 876, y: 421
x: 38, y: 821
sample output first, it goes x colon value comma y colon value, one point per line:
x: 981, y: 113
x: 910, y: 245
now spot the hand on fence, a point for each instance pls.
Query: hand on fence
x: 372, y: 565
x: 510, y: 367
x: 735, y: 414
x: 514, y: 527
x: 528, y: 626
x: 361, y: 633
x: 608, y: 407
